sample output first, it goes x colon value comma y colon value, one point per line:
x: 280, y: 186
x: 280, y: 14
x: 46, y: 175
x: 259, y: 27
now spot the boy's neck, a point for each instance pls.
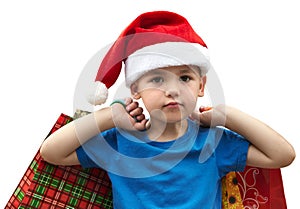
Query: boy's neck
x: 162, y: 132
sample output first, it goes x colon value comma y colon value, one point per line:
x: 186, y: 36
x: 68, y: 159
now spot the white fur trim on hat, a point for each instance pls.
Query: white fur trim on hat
x: 165, y: 54
x: 97, y: 93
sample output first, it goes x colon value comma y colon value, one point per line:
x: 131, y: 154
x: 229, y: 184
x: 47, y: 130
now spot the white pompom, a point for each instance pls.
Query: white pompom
x: 97, y: 94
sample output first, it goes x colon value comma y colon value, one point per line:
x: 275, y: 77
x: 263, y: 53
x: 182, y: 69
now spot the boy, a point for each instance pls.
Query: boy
x: 178, y: 158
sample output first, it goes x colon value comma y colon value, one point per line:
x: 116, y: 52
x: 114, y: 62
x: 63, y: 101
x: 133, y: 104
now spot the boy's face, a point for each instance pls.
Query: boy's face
x: 170, y: 93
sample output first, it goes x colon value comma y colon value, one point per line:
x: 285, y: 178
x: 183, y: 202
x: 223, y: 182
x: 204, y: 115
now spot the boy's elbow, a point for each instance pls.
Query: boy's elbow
x: 50, y: 154
x: 47, y: 155
x: 44, y: 152
x: 285, y: 158
x: 289, y: 157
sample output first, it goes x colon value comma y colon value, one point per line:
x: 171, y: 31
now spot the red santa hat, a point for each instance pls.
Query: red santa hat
x: 153, y: 40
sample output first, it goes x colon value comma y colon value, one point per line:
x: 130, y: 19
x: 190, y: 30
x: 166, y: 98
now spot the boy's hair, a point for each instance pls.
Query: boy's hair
x: 153, y: 40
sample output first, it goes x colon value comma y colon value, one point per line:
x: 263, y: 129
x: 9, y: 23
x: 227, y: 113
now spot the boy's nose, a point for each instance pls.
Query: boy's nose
x: 172, y: 89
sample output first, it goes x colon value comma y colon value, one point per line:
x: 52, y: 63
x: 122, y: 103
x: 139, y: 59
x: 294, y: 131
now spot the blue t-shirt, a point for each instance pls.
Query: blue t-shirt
x: 184, y: 173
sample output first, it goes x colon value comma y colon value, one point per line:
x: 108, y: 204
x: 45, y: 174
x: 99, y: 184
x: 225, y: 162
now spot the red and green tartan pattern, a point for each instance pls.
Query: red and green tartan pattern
x: 68, y: 187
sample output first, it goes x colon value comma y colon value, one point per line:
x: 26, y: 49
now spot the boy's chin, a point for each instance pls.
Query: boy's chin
x: 170, y: 120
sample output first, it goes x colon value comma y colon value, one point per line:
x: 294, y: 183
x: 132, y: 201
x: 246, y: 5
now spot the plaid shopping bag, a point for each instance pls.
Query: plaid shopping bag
x: 50, y: 186
x: 20, y: 191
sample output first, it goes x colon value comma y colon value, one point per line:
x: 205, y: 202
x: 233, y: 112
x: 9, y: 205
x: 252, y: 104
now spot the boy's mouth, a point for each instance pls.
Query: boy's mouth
x: 172, y: 105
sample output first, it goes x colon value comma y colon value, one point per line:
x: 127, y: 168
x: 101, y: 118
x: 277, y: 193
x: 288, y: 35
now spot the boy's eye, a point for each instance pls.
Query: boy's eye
x: 185, y: 78
x: 157, y: 80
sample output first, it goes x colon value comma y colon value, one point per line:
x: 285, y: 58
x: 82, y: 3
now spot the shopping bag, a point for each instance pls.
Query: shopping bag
x: 51, y: 186
x: 261, y: 188
x: 231, y: 196
x: 253, y: 188
x: 20, y: 191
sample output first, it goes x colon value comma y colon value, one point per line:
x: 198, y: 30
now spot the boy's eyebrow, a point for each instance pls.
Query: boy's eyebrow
x: 187, y: 71
x: 161, y: 72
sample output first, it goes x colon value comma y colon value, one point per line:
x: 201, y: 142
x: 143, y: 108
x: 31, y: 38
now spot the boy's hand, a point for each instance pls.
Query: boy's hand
x: 128, y: 115
x: 210, y: 117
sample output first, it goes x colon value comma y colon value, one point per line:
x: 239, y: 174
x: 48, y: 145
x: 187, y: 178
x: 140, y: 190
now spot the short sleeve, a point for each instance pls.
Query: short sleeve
x: 231, y: 152
x: 90, y: 153
x: 84, y: 159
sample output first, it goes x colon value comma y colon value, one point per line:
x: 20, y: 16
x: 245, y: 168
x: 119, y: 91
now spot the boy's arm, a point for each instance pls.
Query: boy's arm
x: 268, y: 148
x: 60, y: 147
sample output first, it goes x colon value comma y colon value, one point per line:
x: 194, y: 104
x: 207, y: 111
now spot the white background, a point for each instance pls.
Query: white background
x: 44, y: 46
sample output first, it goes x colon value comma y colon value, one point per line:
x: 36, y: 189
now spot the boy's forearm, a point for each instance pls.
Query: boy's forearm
x: 270, y: 143
x: 62, y: 143
x: 92, y: 124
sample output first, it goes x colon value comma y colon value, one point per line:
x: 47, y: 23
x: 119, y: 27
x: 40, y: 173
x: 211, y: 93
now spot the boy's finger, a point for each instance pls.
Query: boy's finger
x: 132, y: 106
x: 127, y: 100
x: 136, y: 112
x: 195, y: 116
x: 203, y: 108
x: 148, y: 124
x: 140, y: 117
x: 142, y: 125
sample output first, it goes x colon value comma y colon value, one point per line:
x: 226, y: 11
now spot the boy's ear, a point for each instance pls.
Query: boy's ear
x: 134, y: 91
x: 202, y: 86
